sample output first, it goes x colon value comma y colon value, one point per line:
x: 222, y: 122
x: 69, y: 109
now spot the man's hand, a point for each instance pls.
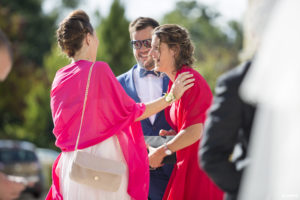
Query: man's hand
x: 163, y: 132
x: 156, y: 156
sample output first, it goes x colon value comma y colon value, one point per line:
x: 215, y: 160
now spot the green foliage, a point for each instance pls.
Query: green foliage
x: 22, y: 21
x: 114, y: 45
x: 24, y: 103
x: 37, y: 113
x: 236, y: 27
x: 70, y: 3
x: 54, y: 60
x: 17, y: 85
x: 30, y: 31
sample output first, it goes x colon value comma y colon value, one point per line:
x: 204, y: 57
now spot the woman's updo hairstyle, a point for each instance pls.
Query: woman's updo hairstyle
x: 72, y: 30
x: 178, y: 39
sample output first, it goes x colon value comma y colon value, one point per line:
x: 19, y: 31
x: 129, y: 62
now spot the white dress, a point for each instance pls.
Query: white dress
x: 273, y: 83
x: 110, y: 148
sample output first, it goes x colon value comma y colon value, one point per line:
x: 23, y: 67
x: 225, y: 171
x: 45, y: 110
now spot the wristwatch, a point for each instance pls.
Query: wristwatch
x: 169, y: 97
x: 167, y: 150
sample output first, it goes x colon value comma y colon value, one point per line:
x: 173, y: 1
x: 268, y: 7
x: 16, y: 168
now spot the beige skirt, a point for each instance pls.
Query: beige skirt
x: 71, y: 190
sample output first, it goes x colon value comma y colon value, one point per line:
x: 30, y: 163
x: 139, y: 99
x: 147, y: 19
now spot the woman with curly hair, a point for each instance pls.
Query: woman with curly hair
x: 172, y: 52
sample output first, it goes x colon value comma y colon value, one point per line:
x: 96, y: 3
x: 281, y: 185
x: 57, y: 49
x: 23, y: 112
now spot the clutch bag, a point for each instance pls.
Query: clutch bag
x: 97, y: 172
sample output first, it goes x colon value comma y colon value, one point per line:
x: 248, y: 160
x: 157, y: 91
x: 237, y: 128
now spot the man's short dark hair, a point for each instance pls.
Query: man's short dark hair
x: 4, y: 43
x: 141, y: 23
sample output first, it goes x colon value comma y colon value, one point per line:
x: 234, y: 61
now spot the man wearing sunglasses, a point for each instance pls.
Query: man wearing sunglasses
x: 143, y: 85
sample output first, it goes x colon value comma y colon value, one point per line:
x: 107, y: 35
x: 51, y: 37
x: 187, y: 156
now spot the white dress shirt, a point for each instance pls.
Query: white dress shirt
x: 148, y: 88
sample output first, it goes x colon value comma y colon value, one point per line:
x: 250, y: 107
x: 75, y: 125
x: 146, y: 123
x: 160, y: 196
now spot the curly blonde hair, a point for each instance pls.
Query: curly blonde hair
x: 178, y: 39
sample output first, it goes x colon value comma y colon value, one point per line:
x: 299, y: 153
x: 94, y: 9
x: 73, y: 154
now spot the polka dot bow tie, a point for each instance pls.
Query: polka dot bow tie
x: 144, y: 72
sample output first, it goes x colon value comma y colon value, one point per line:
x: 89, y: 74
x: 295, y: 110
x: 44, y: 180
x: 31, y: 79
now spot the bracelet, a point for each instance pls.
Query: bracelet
x: 169, y: 97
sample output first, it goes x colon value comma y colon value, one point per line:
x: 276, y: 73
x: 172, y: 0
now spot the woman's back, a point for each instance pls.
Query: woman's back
x: 108, y: 112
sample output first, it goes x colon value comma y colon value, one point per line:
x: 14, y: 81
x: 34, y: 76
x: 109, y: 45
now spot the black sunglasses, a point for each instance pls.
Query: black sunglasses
x: 137, y: 44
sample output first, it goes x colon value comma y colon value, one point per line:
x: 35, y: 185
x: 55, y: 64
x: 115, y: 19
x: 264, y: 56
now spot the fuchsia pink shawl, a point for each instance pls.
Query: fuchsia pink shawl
x: 109, y: 110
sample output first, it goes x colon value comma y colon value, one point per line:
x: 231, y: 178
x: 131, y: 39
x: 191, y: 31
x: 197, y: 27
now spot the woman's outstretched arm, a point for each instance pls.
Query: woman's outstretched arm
x: 183, y: 82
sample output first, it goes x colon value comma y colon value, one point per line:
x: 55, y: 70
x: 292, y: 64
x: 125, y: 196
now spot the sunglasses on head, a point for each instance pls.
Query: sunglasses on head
x: 137, y: 44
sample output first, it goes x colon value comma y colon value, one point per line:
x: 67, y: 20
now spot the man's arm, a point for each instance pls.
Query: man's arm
x: 221, y: 133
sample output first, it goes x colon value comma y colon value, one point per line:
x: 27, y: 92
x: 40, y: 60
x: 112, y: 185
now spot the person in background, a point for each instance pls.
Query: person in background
x: 9, y: 190
x: 224, y: 147
x: 143, y: 84
x: 228, y: 125
x: 172, y: 51
x: 6, y: 56
x: 110, y: 128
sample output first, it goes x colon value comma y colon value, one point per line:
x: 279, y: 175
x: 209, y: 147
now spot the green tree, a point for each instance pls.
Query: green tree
x: 23, y: 22
x: 114, y: 45
x: 24, y: 102
x: 29, y: 29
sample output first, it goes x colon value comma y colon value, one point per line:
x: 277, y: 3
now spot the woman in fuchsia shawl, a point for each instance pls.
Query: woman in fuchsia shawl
x: 110, y: 126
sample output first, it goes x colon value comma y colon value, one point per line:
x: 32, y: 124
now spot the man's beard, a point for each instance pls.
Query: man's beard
x: 148, y: 64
